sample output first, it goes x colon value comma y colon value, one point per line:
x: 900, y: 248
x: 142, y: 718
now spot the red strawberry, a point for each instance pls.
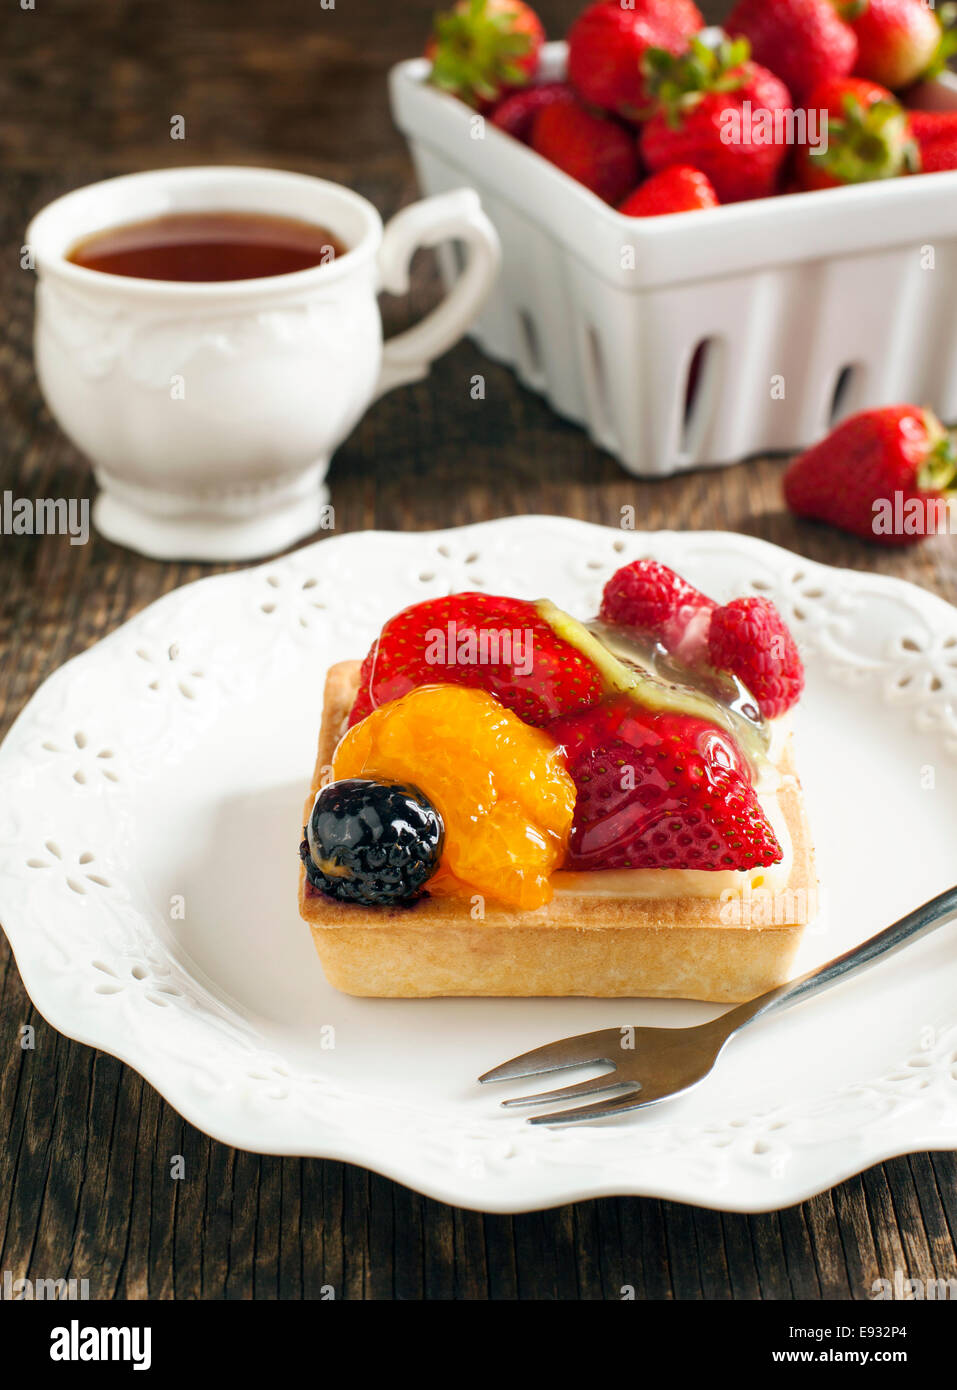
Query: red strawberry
x: 931, y: 125
x: 546, y: 678
x: 804, y: 41
x: 481, y: 48
x: 653, y: 600
x: 704, y: 101
x: 516, y: 113
x: 608, y: 41
x: 748, y: 637
x: 869, y: 136
x: 660, y: 791
x: 886, y: 475
x: 939, y: 155
x: 936, y: 136
x: 676, y: 189
x: 592, y: 149
x: 899, y: 41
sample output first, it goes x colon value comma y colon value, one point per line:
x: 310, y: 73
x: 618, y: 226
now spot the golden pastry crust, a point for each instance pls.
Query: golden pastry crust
x: 600, y: 946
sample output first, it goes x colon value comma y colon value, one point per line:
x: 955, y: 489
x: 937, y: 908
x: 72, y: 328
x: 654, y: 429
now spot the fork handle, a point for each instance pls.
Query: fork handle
x: 921, y: 922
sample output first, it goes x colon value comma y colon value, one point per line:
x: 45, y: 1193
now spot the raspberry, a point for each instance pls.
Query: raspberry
x: 748, y: 637
x: 652, y: 599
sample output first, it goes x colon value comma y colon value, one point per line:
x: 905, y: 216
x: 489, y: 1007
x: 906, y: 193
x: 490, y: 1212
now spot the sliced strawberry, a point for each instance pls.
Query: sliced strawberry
x: 748, y: 637
x: 660, y: 791
x: 653, y: 600
x: 501, y: 645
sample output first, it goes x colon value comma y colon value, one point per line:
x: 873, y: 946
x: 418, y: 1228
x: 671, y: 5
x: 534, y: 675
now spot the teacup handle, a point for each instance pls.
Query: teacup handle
x: 458, y: 215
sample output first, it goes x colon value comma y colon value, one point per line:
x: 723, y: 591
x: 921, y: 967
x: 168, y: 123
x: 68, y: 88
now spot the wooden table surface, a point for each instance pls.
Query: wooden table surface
x: 88, y: 89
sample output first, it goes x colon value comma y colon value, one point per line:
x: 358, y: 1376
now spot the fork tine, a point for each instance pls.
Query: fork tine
x: 569, y: 1052
x: 635, y: 1099
x: 608, y: 1081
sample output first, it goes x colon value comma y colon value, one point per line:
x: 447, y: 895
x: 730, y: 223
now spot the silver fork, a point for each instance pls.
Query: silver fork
x: 655, y: 1064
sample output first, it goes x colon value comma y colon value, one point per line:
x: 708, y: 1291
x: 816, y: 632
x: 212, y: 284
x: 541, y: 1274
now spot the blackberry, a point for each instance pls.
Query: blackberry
x: 372, y: 842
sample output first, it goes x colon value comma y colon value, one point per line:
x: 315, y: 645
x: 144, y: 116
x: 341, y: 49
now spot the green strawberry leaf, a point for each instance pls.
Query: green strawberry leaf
x: 476, y: 51
x: 867, y: 143
x: 938, y: 473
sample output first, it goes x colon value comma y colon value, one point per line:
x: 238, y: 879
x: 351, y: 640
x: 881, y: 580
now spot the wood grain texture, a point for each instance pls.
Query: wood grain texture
x: 88, y: 89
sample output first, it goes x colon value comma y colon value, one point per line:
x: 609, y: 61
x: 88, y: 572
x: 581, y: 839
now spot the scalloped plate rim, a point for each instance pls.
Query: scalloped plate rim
x: 357, y: 1150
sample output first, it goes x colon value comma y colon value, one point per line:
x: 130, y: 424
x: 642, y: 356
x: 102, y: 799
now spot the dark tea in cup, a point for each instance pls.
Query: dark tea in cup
x: 208, y: 246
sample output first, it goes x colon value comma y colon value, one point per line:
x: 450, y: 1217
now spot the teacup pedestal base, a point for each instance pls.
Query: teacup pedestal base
x: 248, y: 525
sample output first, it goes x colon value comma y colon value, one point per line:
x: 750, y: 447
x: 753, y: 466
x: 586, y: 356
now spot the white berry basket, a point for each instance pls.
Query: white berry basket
x: 701, y: 338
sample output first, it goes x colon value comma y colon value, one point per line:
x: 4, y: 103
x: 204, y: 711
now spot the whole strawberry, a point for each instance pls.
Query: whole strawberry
x: 593, y: 149
x: 481, y: 48
x: 803, y: 41
x: 899, y: 41
x: 885, y: 475
x: 500, y: 645
x: 660, y: 791
x: 676, y: 189
x: 607, y: 42
x: 749, y: 638
x: 515, y: 114
x: 705, y: 104
x: 869, y: 136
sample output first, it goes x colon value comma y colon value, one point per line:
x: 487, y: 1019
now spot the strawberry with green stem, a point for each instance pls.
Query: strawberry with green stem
x: 607, y: 43
x: 879, y: 468
x: 480, y: 49
x: 868, y: 136
x: 701, y: 103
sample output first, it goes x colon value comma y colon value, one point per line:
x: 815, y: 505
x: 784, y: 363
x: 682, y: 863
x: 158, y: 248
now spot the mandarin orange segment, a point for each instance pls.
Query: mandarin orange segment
x: 500, y: 786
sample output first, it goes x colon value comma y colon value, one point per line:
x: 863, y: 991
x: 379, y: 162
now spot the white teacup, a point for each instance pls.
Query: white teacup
x: 210, y: 410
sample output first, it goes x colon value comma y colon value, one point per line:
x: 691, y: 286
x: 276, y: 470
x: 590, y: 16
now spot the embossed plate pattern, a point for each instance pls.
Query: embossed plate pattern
x: 150, y: 796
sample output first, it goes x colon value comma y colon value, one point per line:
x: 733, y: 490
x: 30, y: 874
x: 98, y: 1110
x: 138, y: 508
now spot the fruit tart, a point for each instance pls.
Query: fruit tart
x: 507, y: 801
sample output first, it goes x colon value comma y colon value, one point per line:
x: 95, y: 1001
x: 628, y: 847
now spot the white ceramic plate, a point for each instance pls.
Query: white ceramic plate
x: 150, y: 801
